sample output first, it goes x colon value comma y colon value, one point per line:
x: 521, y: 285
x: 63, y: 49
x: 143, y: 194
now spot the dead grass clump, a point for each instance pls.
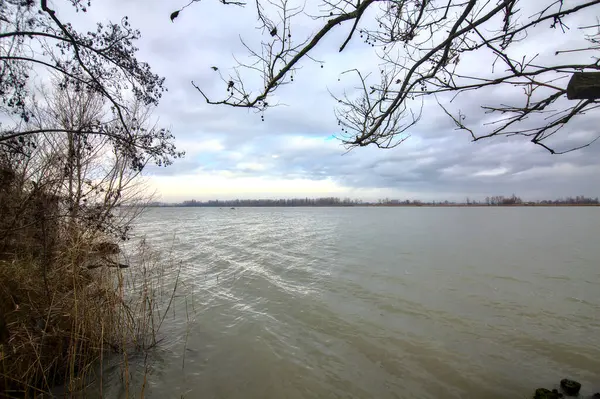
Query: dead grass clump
x: 56, y: 329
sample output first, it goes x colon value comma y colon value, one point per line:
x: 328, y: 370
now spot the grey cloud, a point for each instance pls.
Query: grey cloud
x: 437, y: 161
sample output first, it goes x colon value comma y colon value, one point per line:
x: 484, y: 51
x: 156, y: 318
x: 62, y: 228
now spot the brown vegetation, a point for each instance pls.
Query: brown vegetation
x: 64, y: 298
x: 70, y: 163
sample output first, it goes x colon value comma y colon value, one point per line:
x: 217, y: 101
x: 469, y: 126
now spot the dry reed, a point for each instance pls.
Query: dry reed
x: 57, y: 332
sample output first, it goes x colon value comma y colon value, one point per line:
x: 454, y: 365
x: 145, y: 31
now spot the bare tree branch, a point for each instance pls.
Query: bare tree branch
x: 422, y: 45
x: 33, y: 37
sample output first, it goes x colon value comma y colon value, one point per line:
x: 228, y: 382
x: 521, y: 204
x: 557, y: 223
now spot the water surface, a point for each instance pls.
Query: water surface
x: 379, y: 302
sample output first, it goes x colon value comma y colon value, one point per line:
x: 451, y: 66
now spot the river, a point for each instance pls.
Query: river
x: 378, y: 302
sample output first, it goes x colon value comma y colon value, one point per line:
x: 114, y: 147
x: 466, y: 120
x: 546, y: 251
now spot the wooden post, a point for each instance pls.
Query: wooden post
x: 584, y: 86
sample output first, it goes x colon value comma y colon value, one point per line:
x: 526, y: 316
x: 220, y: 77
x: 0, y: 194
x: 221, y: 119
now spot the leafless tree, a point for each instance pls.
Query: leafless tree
x: 89, y: 173
x: 36, y: 40
x: 427, y: 49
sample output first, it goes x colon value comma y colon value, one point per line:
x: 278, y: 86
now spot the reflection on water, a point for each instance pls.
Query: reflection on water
x: 377, y: 302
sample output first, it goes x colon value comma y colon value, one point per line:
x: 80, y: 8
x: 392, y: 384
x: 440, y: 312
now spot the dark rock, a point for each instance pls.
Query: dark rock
x: 596, y: 395
x: 543, y: 393
x: 570, y: 387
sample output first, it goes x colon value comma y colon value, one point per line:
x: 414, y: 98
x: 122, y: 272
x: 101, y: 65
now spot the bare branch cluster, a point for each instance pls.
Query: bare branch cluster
x: 427, y: 49
x: 86, y: 174
x: 34, y: 40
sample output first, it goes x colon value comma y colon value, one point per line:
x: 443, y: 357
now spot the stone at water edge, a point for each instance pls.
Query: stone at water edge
x: 570, y: 387
x: 543, y: 393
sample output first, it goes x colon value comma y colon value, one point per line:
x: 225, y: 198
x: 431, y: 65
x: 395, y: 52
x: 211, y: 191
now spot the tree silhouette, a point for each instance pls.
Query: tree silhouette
x: 34, y: 41
x: 427, y: 49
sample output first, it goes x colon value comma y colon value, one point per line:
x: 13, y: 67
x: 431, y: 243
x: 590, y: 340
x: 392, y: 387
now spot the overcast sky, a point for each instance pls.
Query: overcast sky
x: 231, y: 153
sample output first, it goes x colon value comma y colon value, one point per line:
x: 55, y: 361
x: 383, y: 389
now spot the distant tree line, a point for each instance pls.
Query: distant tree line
x: 514, y: 200
x: 579, y: 200
x: 501, y: 200
x: 326, y: 201
x: 497, y: 200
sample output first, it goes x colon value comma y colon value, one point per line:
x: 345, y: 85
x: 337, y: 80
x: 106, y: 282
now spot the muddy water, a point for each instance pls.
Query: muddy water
x: 377, y: 303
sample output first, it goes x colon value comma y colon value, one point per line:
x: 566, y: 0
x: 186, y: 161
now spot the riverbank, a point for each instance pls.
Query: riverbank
x: 68, y: 295
x: 57, y: 325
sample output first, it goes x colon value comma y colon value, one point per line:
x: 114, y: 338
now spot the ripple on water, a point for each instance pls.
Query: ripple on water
x: 381, y: 303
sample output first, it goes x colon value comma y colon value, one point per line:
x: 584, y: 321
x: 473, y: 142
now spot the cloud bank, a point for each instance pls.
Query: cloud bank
x: 232, y: 153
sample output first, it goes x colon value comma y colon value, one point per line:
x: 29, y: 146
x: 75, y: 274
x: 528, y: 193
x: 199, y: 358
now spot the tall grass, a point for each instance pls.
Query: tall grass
x: 57, y: 331
x: 66, y: 299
